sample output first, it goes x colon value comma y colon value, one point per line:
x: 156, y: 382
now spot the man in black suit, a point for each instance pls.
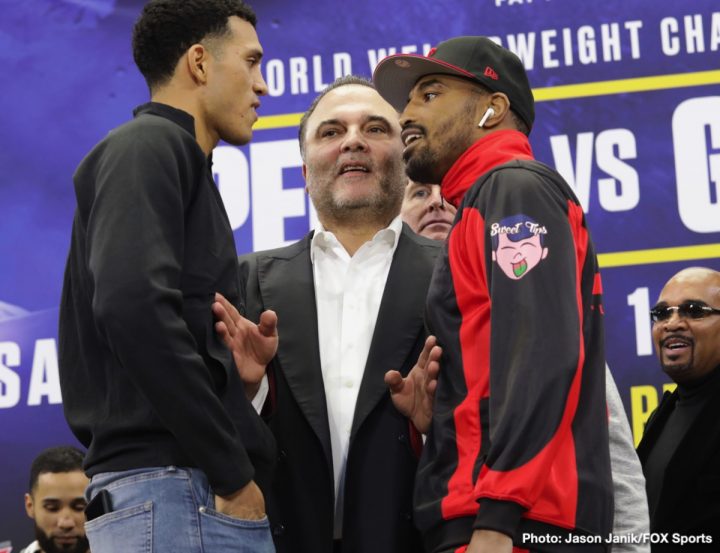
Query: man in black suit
x: 349, y: 299
x: 680, y: 449
x: 147, y: 386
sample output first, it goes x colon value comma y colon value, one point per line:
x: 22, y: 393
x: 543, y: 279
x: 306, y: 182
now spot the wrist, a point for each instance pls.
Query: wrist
x: 251, y: 389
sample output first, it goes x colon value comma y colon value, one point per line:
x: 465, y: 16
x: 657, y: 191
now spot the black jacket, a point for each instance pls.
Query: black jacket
x: 519, y: 437
x: 689, y: 502
x: 145, y: 381
x: 381, y: 461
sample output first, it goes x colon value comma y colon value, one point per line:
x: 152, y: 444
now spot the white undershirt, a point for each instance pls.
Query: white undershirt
x: 348, y: 292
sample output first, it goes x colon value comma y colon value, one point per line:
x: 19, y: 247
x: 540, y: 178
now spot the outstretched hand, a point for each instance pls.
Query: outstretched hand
x: 253, y: 345
x: 413, y: 395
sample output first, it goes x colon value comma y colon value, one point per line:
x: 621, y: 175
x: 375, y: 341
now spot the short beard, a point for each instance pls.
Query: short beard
x: 678, y: 373
x: 429, y: 166
x: 48, y: 545
x: 423, y: 167
x: 380, y: 207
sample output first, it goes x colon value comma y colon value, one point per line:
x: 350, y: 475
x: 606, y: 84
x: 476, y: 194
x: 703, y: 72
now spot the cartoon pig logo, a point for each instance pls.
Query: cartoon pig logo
x: 518, y: 245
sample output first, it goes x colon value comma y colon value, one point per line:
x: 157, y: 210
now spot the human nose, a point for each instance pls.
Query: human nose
x: 66, y: 520
x: 260, y: 87
x: 354, y: 140
x: 436, y: 200
x: 675, y: 320
x: 407, y: 116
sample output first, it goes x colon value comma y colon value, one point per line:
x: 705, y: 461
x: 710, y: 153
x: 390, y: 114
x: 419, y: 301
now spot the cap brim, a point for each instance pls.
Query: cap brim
x: 396, y: 75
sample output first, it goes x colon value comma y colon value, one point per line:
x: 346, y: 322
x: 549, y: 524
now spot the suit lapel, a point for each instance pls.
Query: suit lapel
x: 399, y: 322
x: 286, y: 285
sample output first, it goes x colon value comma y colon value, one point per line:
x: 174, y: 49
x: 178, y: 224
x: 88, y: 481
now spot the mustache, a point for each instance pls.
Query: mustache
x: 682, y: 337
x: 365, y: 161
x: 414, y: 127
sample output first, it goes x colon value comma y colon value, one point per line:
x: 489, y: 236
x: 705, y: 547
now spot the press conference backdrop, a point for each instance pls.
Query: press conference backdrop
x: 628, y: 111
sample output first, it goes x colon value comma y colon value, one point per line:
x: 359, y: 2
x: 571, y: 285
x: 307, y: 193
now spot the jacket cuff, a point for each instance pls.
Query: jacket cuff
x: 501, y: 516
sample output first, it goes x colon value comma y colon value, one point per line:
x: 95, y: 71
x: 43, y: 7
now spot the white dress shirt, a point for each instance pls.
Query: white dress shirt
x: 348, y: 292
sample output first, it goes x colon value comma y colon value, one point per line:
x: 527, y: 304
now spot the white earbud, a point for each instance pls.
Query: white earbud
x: 488, y: 114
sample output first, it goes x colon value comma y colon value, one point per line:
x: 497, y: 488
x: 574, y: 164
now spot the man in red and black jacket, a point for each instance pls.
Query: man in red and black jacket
x: 518, y: 449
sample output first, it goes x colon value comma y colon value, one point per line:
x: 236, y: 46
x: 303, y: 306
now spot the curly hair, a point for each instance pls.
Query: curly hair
x: 167, y: 28
x: 64, y: 458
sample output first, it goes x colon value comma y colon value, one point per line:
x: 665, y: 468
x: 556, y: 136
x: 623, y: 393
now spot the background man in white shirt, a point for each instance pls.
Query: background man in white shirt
x: 56, y: 502
x: 349, y: 299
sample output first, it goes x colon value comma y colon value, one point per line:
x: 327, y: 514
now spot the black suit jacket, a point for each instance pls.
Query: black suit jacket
x: 690, y: 497
x: 381, y: 462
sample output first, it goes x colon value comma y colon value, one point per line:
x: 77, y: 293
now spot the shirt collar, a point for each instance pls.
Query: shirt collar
x: 324, y: 239
x: 177, y: 116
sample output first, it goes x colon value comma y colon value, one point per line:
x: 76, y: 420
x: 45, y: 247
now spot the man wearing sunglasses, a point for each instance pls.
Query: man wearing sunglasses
x: 680, y: 449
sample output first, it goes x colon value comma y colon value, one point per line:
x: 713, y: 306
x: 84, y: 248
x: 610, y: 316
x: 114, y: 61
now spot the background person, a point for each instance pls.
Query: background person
x: 425, y: 210
x: 56, y: 502
x: 680, y: 448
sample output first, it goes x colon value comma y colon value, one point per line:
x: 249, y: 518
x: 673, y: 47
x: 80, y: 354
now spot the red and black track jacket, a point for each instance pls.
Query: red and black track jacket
x: 519, y: 440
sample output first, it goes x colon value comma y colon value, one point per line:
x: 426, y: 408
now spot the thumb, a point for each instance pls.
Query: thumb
x: 394, y: 381
x: 268, y: 323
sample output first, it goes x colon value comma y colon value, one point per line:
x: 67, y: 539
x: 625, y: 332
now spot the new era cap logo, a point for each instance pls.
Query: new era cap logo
x: 490, y: 72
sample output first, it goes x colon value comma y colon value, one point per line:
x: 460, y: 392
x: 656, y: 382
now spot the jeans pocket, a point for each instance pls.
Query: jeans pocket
x: 220, y: 532
x: 128, y: 529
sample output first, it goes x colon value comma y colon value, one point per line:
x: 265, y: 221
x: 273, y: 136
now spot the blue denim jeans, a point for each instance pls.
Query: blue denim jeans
x: 169, y: 510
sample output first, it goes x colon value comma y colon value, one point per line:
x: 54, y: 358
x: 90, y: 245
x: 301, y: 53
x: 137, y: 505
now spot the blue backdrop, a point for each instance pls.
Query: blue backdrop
x: 628, y: 111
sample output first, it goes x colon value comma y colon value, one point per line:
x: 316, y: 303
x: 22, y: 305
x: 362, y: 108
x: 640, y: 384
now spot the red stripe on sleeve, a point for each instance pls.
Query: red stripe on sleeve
x: 597, y: 285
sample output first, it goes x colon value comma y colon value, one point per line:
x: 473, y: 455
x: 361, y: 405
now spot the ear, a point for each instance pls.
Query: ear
x: 197, y: 60
x: 544, y: 253
x: 494, y: 257
x: 501, y: 106
x: 304, y: 174
x: 29, y: 507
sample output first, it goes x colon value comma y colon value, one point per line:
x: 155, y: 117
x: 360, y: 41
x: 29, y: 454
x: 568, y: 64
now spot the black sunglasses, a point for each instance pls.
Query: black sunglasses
x: 686, y: 310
